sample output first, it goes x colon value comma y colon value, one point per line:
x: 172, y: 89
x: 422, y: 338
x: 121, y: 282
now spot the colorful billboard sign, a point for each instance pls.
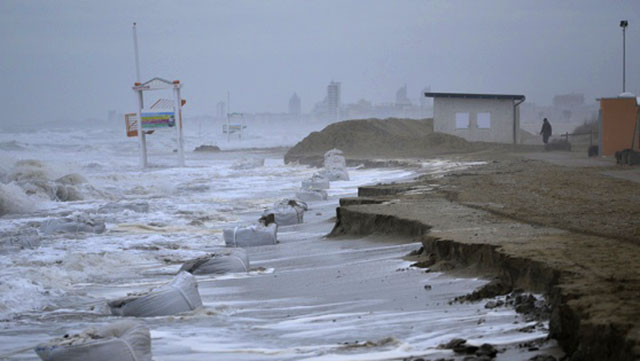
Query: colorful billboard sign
x: 153, y: 120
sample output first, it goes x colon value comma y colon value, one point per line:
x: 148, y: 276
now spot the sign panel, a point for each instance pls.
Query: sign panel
x: 232, y: 128
x: 131, y: 123
x: 153, y: 120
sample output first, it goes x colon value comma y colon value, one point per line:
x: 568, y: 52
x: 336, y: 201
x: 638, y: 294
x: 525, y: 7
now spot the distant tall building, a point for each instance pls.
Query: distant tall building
x: 294, y: 105
x: 333, y: 101
x: 221, y: 110
x: 402, y: 100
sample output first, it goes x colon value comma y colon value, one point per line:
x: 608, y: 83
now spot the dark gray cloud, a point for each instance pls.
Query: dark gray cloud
x: 72, y: 59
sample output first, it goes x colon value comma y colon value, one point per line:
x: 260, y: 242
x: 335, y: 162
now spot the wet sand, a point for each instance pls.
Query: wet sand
x: 310, y: 298
x: 353, y: 298
x: 562, y: 226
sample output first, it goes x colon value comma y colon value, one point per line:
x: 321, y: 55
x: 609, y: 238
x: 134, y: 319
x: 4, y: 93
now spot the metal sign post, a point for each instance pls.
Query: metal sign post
x: 142, y: 140
x: 159, y: 117
x: 141, y: 136
x: 178, y: 117
x: 156, y: 119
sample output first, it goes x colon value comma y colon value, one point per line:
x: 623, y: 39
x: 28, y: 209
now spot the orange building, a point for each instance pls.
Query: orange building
x: 619, y: 116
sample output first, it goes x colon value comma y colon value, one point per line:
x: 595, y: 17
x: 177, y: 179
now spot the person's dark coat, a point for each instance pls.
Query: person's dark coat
x: 545, y: 131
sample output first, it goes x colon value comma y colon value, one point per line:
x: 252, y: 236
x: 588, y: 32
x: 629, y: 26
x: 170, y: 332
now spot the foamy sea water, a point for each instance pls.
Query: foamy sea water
x: 307, y: 298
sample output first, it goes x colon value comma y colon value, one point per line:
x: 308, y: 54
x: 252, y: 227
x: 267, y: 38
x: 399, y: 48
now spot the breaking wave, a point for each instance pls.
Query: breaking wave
x: 22, y: 291
x: 14, y: 200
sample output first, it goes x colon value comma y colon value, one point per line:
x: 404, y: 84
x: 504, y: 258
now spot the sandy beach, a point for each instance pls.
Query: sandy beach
x: 556, y: 223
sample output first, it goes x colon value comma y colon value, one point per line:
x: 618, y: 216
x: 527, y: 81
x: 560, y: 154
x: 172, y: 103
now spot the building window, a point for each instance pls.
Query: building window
x: 462, y: 120
x: 484, y: 120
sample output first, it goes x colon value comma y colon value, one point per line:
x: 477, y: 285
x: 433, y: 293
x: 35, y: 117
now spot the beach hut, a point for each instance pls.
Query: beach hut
x: 478, y: 117
x: 618, y: 127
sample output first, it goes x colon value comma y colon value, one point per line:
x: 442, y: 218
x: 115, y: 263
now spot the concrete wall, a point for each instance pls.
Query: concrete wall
x: 501, y: 130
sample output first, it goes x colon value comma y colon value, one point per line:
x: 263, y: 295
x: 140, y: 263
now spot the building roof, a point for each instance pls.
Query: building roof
x: 156, y: 84
x: 475, y: 96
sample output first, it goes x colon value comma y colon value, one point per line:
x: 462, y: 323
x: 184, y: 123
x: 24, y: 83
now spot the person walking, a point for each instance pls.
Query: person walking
x: 545, y: 131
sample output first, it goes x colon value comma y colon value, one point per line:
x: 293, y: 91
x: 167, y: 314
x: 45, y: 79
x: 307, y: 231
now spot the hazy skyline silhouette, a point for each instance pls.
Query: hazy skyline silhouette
x: 75, y: 59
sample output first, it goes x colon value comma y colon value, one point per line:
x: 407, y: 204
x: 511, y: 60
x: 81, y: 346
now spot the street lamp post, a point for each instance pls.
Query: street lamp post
x: 623, y: 25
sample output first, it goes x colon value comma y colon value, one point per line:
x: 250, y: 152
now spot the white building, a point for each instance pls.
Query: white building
x: 478, y: 117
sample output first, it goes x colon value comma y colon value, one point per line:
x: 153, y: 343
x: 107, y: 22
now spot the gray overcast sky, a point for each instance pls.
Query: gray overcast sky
x: 74, y: 59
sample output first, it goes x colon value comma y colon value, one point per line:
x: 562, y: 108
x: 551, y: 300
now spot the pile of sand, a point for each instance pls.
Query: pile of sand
x: 381, y: 138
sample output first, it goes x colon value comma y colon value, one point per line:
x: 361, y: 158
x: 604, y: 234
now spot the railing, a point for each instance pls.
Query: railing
x: 566, y: 136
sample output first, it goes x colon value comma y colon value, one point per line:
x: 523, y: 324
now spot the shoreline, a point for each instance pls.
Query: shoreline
x: 473, y: 239
x: 309, y: 297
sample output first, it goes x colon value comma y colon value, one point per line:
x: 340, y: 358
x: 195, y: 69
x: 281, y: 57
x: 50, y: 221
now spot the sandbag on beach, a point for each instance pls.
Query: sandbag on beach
x: 335, y: 166
x: 179, y: 295
x: 334, y: 158
x: 251, y: 236
x: 309, y: 195
x: 288, y: 212
x: 335, y: 174
x: 317, y: 181
x: 120, y: 341
x: 223, y: 261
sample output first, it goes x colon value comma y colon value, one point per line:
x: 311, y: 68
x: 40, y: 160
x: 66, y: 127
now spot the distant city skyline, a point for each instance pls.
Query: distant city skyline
x: 62, y: 61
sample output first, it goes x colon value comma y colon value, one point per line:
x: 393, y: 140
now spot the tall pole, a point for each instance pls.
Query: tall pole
x: 623, y: 25
x: 178, y: 119
x: 624, y: 59
x: 141, y: 136
x: 135, y: 50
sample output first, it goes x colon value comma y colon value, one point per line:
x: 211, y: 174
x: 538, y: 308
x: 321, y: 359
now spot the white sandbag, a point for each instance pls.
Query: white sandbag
x: 251, y: 236
x: 285, y: 216
x: 335, y: 174
x: 247, y: 163
x: 334, y: 159
x: 335, y: 166
x: 120, y: 341
x: 309, y: 195
x: 72, y: 225
x: 223, y: 261
x: 288, y: 212
x: 67, y: 193
x: 317, y: 181
x: 179, y: 295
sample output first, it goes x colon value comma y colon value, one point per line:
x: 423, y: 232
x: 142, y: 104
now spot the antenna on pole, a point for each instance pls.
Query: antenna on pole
x: 135, y: 49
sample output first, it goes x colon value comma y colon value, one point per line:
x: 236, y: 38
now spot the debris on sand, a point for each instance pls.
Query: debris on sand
x: 207, y: 148
x: 482, y: 352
